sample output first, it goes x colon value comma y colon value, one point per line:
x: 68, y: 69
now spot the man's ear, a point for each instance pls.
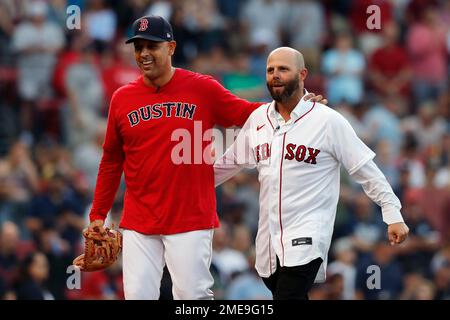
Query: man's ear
x: 303, y: 74
x: 172, y: 46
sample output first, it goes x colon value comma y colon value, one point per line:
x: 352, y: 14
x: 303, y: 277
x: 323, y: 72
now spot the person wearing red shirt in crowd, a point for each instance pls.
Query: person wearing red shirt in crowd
x: 364, y: 16
x: 416, y: 8
x: 427, y: 48
x: 390, y: 71
x: 103, y: 285
x: 169, y: 207
x: 118, y: 69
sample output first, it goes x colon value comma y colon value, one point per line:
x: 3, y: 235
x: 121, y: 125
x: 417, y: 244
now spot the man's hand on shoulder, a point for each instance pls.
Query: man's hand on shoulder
x: 319, y: 98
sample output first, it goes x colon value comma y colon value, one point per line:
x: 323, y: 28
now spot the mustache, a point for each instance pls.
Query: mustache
x: 290, y: 86
x: 273, y: 84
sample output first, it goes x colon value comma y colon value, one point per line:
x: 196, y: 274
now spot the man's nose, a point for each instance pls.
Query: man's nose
x: 276, y: 75
x: 145, y: 52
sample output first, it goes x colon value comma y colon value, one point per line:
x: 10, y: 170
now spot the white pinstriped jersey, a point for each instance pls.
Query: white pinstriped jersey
x: 299, y: 173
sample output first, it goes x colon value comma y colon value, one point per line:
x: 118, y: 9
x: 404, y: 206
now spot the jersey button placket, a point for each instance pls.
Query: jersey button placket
x: 276, y: 185
x: 280, y: 196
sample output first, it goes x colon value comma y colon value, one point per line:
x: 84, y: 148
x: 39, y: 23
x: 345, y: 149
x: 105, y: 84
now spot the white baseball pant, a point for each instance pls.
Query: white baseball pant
x: 188, y: 258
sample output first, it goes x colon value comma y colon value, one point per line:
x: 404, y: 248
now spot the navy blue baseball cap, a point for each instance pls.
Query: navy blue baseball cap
x: 154, y: 28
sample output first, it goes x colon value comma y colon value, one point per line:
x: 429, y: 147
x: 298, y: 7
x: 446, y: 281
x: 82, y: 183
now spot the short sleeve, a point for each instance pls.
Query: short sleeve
x: 345, y: 145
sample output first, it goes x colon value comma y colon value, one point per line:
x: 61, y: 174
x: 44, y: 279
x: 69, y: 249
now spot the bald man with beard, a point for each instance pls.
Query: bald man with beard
x: 298, y: 147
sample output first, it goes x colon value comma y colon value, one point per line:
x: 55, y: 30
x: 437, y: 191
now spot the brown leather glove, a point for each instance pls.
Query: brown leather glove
x: 100, y: 250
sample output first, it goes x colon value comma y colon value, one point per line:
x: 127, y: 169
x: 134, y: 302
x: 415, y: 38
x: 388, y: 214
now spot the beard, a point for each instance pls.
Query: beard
x: 289, y: 88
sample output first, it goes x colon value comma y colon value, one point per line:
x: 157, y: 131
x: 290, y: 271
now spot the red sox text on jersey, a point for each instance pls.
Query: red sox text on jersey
x: 293, y: 151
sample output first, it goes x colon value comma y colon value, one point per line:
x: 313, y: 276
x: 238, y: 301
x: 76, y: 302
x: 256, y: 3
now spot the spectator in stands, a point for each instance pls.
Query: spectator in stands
x: 248, y: 285
x: 9, y: 261
x: 403, y: 182
x: 36, y: 42
x: 84, y: 87
x: 344, y: 264
x: 241, y: 239
x: 434, y: 203
x: 259, y: 49
x: 382, y: 123
x: 163, y: 8
x: 241, y: 81
x: 309, y: 17
x: 228, y: 261
x: 344, y: 67
x: 367, y: 228
x: 267, y: 15
x: 412, y: 161
x: 57, y: 206
x: 103, y: 285
x: 59, y: 253
x: 415, y: 9
x: 3, y: 289
x: 57, y: 12
x: 118, y: 68
x: 426, y: 43
x: 387, y: 279
x: 427, y: 127
x: 442, y: 155
x: 18, y: 182
x: 417, y: 288
x: 367, y: 32
x: 205, y: 22
x: 87, y: 155
x: 101, y: 23
x: 386, y: 161
x: 247, y: 192
x: 34, y: 272
x: 415, y: 255
x: 440, y: 266
x: 6, y: 30
x: 389, y: 67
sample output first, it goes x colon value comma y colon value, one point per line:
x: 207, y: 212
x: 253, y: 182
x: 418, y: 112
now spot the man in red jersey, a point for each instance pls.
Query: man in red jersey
x: 169, y: 209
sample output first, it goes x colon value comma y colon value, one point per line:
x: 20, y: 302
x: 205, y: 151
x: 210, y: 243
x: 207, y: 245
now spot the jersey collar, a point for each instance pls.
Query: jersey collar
x: 159, y: 89
x: 300, y: 109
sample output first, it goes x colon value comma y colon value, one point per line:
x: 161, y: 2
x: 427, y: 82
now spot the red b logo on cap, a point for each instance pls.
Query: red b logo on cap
x: 144, y: 24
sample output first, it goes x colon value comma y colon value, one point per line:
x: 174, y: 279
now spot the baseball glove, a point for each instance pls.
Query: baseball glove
x: 100, y: 251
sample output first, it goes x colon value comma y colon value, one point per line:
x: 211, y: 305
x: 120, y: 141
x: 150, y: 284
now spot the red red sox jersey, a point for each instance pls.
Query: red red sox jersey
x: 299, y: 173
x: 164, y: 196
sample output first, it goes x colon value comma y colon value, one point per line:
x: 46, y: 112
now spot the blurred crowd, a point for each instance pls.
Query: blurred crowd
x: 391, y: 83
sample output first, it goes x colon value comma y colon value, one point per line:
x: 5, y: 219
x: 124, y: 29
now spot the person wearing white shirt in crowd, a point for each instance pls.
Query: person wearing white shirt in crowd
x: 297, y: 147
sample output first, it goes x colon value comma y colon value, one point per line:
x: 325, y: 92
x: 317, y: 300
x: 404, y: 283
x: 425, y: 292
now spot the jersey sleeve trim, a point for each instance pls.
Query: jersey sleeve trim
x: 369, y: 157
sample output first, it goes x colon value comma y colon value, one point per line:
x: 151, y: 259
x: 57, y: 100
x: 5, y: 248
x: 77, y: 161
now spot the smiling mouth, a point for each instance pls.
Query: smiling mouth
x: 147, y: 64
